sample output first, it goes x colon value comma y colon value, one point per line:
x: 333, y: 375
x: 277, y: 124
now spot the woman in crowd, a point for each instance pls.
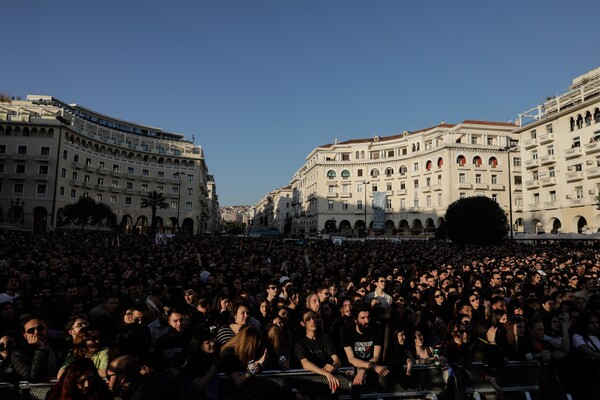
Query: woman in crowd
x: 87, y: 345
x: 80, y: 381
x: 396, y: 356
x: 278, y: 348
x: 201, y: 367
x: 239, y: 316
x: 264, y: 310
x: 586, y: 343
x: 221, y: 309
x: 513, y: 339
x: 7, y: 372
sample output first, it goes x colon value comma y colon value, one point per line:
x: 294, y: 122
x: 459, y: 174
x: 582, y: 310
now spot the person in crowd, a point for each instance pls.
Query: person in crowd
x: 80, y: 381
x: 362, y: 344
x: 484, y: 350
x: 171, y: 349
x: 125, y: 380
x: 35, y: 360
x: 384, y: 299
x: 279, y: 348
x: 239, y: 317
x: 87, y: 343
x: 7, y: 372
x: 222, y: 309
x: 134, y: 338
x: 396, y: 356
x: 9, y: 324
x: 586, y: 365
x: 201, y: 367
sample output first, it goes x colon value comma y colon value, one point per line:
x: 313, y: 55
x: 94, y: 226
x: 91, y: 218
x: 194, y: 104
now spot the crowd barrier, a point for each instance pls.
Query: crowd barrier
x: 428, y: 382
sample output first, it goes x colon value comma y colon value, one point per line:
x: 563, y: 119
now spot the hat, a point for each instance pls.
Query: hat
x: 204, y: 276
x: 283, y: 279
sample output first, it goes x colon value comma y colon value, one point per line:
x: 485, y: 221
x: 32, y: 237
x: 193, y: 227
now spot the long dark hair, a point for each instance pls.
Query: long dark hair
x: 66, y: 387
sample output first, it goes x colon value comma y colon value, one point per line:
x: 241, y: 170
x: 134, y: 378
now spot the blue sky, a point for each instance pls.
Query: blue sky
x: 260, y: 83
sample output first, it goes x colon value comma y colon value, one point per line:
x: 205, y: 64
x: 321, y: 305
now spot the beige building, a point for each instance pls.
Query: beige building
x: 273, y: 212
x: 560, y: 147
x: 52, y: 153
x: 414, y: 176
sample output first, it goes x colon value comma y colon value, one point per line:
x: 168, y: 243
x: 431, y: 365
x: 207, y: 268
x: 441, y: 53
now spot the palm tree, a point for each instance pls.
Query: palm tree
x: 155, y: 201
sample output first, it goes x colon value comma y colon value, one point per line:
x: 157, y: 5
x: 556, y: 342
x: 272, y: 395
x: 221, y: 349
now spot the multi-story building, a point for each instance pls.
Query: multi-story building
x: 274, y: 211
x: 414, y: 176
x: 560, y: 147
x: 52, y: 153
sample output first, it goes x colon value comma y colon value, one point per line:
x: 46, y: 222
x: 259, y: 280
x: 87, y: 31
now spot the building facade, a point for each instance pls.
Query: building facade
x: 560, y: 147
x: 52, y: 153
x: 415, y: 176
x: 274, y: 212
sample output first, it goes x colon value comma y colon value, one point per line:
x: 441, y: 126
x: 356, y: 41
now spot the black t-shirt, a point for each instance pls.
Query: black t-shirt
x: 230, y: 363
x: 363, y: 344
x: 318, y: 351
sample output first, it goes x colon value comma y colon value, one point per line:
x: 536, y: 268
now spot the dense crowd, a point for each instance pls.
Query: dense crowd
x: 126, y: 316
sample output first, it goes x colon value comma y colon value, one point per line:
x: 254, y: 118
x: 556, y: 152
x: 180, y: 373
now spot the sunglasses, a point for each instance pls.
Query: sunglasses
x: 438, y: 296
x: 39, y: 328
x: 272, y: 287
x: 461, y: 331
x: 110, y: 375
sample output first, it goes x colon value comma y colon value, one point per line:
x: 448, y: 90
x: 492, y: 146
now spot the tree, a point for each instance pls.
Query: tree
x: 104, y: 212
x: 476, y: 220
x: 87, y: 211
x: 154, y: 200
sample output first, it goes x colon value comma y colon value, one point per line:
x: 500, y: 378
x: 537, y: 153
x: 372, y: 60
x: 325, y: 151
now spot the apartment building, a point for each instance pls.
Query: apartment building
x: 52, y: 153
x: 560, y: 147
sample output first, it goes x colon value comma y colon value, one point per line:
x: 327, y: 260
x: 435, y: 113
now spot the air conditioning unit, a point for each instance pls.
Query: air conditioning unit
x: 570, y: 169
x: 591, y: 191
x: 568, y: 197
x: 589, y: 162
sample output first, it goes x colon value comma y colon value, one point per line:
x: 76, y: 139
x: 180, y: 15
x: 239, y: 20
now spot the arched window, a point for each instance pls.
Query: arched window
x: 493, y: 161
x: 461, y: 160
x: 572, y: 124
x: 374, y: 173
x: 579, y: 121
x: 428, y: 165
x: 389, y: 172
x: 331, y: 174
x: 596, y: 115
x: 440, y: 162
x: 357, y: 155
x: 345, y: 174
x: 403, y: 170
x: 588, y: 118
x: 477, y: 161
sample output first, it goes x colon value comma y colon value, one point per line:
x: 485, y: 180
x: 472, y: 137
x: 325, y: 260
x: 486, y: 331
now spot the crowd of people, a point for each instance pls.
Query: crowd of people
x: 137, y: 319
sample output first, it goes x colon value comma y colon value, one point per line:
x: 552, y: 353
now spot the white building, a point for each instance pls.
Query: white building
x: 416, y: 175
x: 52, y: 153
x: 274, y: 211
x: 560, y: 147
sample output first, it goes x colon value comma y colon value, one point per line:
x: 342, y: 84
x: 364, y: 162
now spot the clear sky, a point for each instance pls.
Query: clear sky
x: 260, y: 83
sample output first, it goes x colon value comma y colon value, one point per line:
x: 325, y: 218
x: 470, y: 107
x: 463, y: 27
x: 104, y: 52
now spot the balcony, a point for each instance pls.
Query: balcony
x: 43, y: 158
x: 547, y: 138
x: 130, y: 191
x: 131, y: 176
x: 400, y: 192
x: 535, y: 206
x: 117, y: 174
x: 464, y: 185
x: 414, y: 209
x: 346, y: 195
x: 87, y: 185
x: 437, y: 188
x: 102, y: 171
x: 551, y: 205
x: 331, y: 195
x: 76, y: 165
x: 89, y: 168
x: 532, y: 163
x: 101, y: 186
x: 574, y: 176
x: 532, y: 184
x: 573, y: 153
x: 593, y: 172
x: 115, y: 189
x: 549, y: 159
x: 20, y: 157
x: 40, y: 177
x: 145, y: 178
x: 17, y: 175
x: 592, y: 148
x: 579, y: 202
x: 161, y: 179
x: 531, y: 143
x: 481, y: 186
x: 426, y: 189
x: 549, y: 181
x: 75, y: 182
x: 496, y: 186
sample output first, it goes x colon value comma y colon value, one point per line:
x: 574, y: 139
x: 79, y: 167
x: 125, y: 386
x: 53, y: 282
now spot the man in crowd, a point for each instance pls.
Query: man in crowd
x: 35, y: 361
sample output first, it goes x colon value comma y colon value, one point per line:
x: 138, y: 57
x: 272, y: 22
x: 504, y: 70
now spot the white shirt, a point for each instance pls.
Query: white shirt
x: 579, y: 341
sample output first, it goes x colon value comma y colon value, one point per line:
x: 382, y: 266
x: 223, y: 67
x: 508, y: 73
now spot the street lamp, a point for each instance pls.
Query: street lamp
x: 508, y: 149
x: 365, y: 183
x: 179, y: 201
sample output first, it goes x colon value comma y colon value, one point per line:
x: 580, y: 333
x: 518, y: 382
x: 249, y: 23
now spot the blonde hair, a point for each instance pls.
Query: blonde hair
x: 276, y: 339
x: 246, y: 344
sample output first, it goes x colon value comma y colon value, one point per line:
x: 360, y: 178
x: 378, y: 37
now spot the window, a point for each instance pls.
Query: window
x: 359, y: 188
x: 494, y: 179
x: 99, y: 197
x: 175, y: 190
x: 115, y: 183
x: 74, y: 175
x: 86, y: 178
x: 403, y: 204
x: 127, y: 201
x: 477, y: 178
x: 145, y: 172
x: 374, y: 188
x: 551, y: 172
x: 518, y: 180
x: 439, y: 179
x: 331, y: 174
x: 403, y: 170
x: 579, y: 192
x: 174, y: 204
x: 161, y: 150
x: 101, y: 164
x: 73, y: 193
x: 129, y: 185
x: 76, y: 157
x: 535, y: 175
x: 428, y: 182
x: 359, y: 205
x: 18, y: 188
x: 113, y: 199
x: 536, y: 198
x: 160, y: 174
x: 345, y: 205
x: 490, y: 141
x: 403, y: 185
x: 474, y: 139
x: 359, y: 172
x: 45, y: 151
x: 331, y: 189
x: 20, y: 168
x: 388, y: 186
x: 189, y: 191
x: 416, y: 202
x: 100, y: 181
x: 62, y: 191
x: 2, y: 149
x: 346, y: 188
x: 116, y: 168
x: 495, y: 197
x: 576, y: 142
x: 63, y: 173
x: 416, y: 183
x: 439, y: 200
x: 374, y: 173
x: 390, y: 153
x: 22, y: 150
x: 144, y: 187
x: 190, y: 177
x: 578, y: 167
x: 549, y: 128
x: 462, y: 195
x: 516, y: 161
x: 550, y: 150
x: 1, y: 167
x: 553, y: 195
x: 416, y: 166
x: 462, y: 177
x: 345, y: 156
x: 188, y: 205
x: 130, y: 171
x: 389, y: 172
x: 330, y: 205
x: 534, y: 155
x: 519, y: 201
x: 65, y: 154
x: 388, y: 202
x: 533, y: 134
x: 428, y: 201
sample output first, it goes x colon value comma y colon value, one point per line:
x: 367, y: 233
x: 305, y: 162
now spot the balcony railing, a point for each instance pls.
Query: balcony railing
x: 573, y: 153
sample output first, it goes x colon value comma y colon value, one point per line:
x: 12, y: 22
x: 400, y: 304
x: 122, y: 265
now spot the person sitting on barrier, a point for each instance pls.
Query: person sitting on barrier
x: 316, y: 353
x: 362, y: 345
x: 396, y: 356
x: 35, y: 361
x: 87, y: 344
x: 80, y: 381
x: 125, y: 380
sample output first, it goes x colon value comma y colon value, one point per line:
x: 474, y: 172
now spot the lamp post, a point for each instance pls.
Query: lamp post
x: 508, y: 149
x: 179, y: 201
x: 365, y: 183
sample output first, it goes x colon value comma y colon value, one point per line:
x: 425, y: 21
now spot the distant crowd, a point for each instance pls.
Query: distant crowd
x: 106, y: 316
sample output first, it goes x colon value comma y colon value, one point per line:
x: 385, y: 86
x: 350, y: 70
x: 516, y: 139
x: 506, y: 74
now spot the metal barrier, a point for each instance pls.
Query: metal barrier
x: 521, y: 377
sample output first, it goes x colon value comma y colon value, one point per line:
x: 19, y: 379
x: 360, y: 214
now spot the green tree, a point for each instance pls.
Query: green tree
x: 476, y: 220
x: 104, y: 213
x: 154, y: 200
x: 87, y: 211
